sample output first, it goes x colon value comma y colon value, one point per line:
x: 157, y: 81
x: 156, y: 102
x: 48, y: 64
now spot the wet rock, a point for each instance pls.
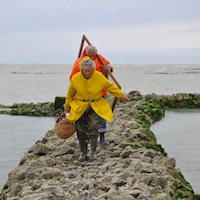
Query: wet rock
x: 170, y: 162
x: 118, y: 182
x: 126, y: 152
x: 65, y: 150
x: 41, y: 149
x: 135, y: 193
x: 16, y: 189
x: 159, y: 181
x: 150, y: 154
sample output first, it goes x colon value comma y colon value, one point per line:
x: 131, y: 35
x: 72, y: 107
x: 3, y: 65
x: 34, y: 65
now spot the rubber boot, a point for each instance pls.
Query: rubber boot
x: 102, y: 138
x: 83, y: 154
x: 93, y: 149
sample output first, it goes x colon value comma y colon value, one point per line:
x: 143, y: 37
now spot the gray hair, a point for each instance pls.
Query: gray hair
x: 90, y: 48
x: 87, y: 63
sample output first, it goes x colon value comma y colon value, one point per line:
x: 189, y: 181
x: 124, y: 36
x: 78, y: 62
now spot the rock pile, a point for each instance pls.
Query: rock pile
x: 132, y: 166
x: 180, y: 100
x: 30, y: 109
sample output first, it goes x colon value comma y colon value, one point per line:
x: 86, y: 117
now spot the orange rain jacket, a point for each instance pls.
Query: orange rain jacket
x: 99, y: 66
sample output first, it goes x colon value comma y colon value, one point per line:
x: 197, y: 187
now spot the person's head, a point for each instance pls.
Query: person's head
x: 91, y: 51
x: 87, y: 67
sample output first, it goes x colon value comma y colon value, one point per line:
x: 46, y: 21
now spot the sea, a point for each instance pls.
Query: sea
x: 178, y: 132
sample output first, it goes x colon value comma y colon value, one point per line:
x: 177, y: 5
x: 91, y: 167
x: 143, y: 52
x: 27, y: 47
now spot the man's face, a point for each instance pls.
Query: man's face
x: 87, y: 72
x: 91, y: 54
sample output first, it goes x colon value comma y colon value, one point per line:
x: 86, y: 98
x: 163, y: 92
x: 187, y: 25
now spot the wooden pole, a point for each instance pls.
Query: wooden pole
x: 87, y: 40
x: 81, y: 46
x: 114, y: 79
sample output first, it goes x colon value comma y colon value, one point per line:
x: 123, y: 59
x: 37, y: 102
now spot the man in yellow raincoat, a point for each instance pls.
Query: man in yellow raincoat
x: 86, y: 105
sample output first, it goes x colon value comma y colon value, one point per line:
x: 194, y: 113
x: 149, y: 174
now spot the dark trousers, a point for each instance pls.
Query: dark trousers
x: 88, y: 125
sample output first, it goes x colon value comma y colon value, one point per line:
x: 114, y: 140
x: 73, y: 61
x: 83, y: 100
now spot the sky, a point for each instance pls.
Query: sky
x: 123, y: 31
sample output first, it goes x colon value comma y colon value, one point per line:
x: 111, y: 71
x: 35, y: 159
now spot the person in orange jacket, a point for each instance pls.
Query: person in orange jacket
x: 91, y: 51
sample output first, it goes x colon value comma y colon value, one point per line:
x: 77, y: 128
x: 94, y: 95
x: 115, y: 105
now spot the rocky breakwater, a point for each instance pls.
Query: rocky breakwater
x: 132, y: 166
x: 29, y: 109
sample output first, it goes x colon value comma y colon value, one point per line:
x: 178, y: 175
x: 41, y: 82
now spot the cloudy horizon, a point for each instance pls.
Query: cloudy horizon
x: 124, y: 31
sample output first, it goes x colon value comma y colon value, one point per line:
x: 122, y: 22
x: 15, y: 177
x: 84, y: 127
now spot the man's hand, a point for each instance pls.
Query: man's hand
x: 126, y: 99
x: 66, y: 111
x: 109, y: 67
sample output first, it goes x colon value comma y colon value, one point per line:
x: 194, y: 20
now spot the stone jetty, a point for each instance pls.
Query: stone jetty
x: 133, y: 166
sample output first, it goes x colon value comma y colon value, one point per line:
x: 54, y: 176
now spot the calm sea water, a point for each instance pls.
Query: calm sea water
x: 18, y: 134
x: 179, y: 134
x: 41, y: 83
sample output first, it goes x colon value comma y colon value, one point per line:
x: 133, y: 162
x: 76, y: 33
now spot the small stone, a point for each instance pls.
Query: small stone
x: 170, y: 162
x: 41, y: 149
x: 16, y: 189
x: 125, y: 154
x: 135, y: 193
x: 65, y: 150
x: 150, y: 154
x: 159, y: 181
x: 118, y: 182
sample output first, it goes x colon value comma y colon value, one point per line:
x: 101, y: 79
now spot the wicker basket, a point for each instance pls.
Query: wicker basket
x: 64, y: 130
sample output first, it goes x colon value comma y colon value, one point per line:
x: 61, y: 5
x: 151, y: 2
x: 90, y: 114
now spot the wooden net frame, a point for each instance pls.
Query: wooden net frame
x: 84, y: 38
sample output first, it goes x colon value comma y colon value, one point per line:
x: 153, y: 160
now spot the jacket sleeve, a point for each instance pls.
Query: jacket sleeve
x: 70, y: 94
x: 114, y: 90
x: 75, y: 68
x: 104, y: 60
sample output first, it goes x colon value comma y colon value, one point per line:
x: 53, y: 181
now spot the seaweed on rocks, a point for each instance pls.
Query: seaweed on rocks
x: 31, y: 109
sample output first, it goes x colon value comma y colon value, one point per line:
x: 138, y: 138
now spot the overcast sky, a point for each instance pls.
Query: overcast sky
x: 124, y: 31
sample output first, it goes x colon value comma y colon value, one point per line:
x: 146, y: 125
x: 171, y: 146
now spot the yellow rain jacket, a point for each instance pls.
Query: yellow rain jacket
x: 88, y: 91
